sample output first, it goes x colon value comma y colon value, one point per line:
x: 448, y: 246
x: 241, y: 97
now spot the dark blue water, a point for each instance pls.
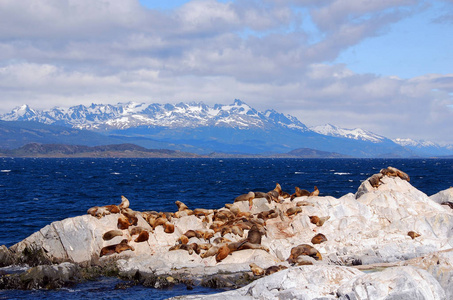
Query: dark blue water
x: 36, y: 192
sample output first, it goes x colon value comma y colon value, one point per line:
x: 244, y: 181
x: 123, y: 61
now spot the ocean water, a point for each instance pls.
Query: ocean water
x: 35, y: 192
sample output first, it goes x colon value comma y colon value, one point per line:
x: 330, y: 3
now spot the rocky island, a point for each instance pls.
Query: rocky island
x: 386, y: 240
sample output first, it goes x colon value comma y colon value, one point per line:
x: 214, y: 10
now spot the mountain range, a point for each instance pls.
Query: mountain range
x: 198, y: 128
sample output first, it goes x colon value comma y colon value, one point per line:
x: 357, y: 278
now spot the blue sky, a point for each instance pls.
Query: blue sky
x: 383, y: 66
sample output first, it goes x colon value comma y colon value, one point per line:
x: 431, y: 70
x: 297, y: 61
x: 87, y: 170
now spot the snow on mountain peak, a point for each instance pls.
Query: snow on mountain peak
x: 356, y: 133
x: 414, y: 143
x: 134, y: 114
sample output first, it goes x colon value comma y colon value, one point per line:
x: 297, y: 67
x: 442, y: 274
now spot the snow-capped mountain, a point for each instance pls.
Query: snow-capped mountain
x: 356, y: 133
x: 414, y: 143
x: 424, y: 148
x: 127, y: 115
x: 234, y: 128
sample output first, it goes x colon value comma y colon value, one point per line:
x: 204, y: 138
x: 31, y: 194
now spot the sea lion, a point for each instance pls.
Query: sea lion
x: 124, y: 203
x: 191, y: 248
x: 199, y: 212
x: 137, y: 230
x: 314, y: 193
x: 142, y: 237
x: 223, y: 215
x: 237, y: 230
x: 278, y: 188
x: 274, y: 269
x: 117, y: 248
x: 111, y: 234
x: 210, y: 252
x: 157, y: 222
x: 260, y: 195
x: 98, y: 211
x: 254, y: 235
x: 413, y: 234
x: 169, y: 227
x: 114, y: 209
x: 273, y: 196
x: 304, y: 249
x: 293, y: 211
x: 299, y: 193
x: 318, y: 239
x: 375, y: 180
x: 220, y: 240
x: 181, y: 206
x: 394, y: 172
x: 319, y: 221
x: 256, y: 270
x: 123, y: 222
x: 191, y: 233
x: 183, y: 239
x: 222, y: 253
x: 304, y: 203
x: 246, y: 197
x: 130, y: 215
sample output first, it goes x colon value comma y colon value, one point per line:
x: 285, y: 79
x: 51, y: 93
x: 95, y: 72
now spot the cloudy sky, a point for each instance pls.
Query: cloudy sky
x: 384, y: 66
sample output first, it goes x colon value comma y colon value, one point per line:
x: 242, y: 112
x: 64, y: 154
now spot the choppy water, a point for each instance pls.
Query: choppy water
x: 36, y: 192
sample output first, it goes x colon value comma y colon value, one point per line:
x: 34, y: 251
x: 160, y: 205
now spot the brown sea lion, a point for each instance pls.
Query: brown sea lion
x: 260, y: 195
x: 210, y: 252
x: 246, y: 197
x: 278, y: 189
x: 375, y: 180
x: 142, y: 237
x: 123, y: 222
x: 157, y: 222
x: 254, y: 235
x: 131, y: 215
x: 191, y: 248
x: 314, y: 193
x: 293, y: 211
x: 304, y: 203
x: 199, y: 212
x: 304, y: 249
x: 220, y: 240
x: 136, y: 230
x: 183, y: 239
x: 394, y: 172
x: 318, y: 221
x: 222, y: 253
x: 114, y: 209
x: 95, y: 212
x: 285, y: 195
x: 318, y: 239
x: 299, y: 193
x: 124, y: 203
x: 191, y: 233
x: 223, y: 215
x: 181, y: 206
x: 413, y: 234
x: 205, y: 234
x: 117, y: 248
x: 256, y: 270
x: 274, y: 269
x: 273, y: 195
x: 169, y: 227
x: 111, y: 234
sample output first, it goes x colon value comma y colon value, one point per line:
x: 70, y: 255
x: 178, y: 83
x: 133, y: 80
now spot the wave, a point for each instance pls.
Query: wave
x: 5, y: 171
x: 342, y: 173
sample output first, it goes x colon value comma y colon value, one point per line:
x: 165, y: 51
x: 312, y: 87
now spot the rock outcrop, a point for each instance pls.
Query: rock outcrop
x: 193, y: 246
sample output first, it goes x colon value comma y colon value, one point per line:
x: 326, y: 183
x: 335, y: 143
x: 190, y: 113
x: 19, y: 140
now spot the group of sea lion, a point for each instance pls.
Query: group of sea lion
x: 246, y: 228
x: 375, y: 180
x: 276, y: 195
